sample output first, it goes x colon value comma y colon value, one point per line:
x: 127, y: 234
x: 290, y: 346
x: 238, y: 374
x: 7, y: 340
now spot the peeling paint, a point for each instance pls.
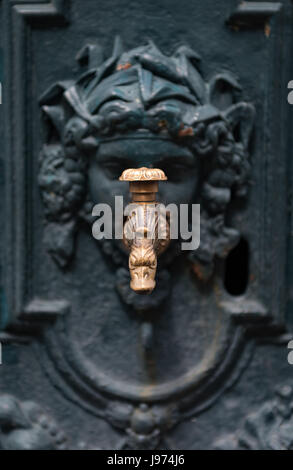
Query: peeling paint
x: 123, y: 66
x: 188, y: 131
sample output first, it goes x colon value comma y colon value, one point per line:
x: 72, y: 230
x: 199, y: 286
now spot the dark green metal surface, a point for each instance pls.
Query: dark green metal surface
x: 198, y: 89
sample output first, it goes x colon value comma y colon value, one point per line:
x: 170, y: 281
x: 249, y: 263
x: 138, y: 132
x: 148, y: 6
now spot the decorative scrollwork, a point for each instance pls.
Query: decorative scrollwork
x: 268, y: 428
x: 25, y: 426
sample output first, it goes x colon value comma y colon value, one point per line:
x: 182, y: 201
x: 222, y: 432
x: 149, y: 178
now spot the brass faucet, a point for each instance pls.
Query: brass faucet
x: 146, y: 232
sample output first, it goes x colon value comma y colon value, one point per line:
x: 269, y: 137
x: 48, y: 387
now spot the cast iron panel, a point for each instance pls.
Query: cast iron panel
x: 90, y: 89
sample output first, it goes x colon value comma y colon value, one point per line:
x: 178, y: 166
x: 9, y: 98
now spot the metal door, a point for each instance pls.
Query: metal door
x: 199, y: 89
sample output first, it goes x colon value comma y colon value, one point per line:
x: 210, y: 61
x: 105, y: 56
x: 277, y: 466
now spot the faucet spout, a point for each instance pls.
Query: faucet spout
x: 146, y: 231
x: 142, y: 266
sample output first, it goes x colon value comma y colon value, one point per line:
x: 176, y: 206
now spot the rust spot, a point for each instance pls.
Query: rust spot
x: 198, y: 272
x: 162, y: 123
x: 252, y: 277
x: 123, y: 66
x: 186, y: 132
x: 267, y: 30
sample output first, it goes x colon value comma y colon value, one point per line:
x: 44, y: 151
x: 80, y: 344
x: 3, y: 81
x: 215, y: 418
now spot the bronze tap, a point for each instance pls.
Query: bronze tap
x: 146, y: 231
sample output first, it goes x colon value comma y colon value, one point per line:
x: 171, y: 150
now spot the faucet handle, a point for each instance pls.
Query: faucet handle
x: 143, y: 174
x: 143, y: 183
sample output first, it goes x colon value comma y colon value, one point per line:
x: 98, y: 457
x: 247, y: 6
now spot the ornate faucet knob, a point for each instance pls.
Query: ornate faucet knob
x: 143, y: 174
x: 143, y: 183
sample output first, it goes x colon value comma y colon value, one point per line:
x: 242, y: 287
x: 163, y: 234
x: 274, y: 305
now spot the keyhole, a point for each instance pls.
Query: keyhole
x: 237, y: 269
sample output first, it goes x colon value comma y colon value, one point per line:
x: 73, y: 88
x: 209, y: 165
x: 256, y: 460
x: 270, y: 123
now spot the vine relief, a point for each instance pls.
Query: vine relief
x: 24, y: 425
x: 144, y: 425
x: 268, y: 428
